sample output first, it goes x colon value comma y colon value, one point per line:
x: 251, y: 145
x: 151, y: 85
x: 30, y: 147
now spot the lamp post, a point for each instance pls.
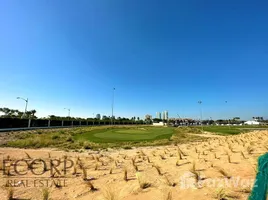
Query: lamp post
x: 228, y: 118
x: 200, y: 102
x: 26, y: 103
x: 69, y: 110
x: 112, y: 107
x: 210, y: 120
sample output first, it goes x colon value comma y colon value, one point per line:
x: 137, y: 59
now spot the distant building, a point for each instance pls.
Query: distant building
x: 165, y: 115
x: 158, y: 124
x: 158, y: 115
x: 98, y: 116
x: 148, y: 117
x: 104, y: 117
x: 252, y: 123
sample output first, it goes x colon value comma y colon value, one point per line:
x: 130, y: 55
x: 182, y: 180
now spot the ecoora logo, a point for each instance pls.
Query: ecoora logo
x: 189, y: 181
x: 37, y: 172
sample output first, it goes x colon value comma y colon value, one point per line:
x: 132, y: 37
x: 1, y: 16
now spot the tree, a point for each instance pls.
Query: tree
x: 6, y: 111
x: 259, y: 119
x: 156, y: 120
x: 31, y: 114
x: 236, y: 118
x: 11, y: 113
x: 148, y: 121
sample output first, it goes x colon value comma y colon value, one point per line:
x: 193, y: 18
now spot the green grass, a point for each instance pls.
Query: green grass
x: 102, y: 137
x: 230, y: 130
x: 223, y: 130
x: 126, y: 134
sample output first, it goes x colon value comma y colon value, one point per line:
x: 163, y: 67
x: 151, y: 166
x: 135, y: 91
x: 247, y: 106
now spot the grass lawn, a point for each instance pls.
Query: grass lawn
x: 101, y: 137
x: 126, y: 134
x: 231, y: 130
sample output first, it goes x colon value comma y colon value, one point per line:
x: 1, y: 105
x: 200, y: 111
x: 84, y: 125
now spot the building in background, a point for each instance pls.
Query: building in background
x: 158, y: 115
x: 158, y: 124
x: 165, y: 115
x: 252, y: 123
x: 98, y: 116
x: 148, y: 117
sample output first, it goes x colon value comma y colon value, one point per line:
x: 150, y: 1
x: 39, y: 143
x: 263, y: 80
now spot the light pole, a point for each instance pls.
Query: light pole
x: 210, y: 120
x: 26, y: 105
x: 69, y: 110
x: 228, y: 118
x: 200, y: 102
x: 112, y: 107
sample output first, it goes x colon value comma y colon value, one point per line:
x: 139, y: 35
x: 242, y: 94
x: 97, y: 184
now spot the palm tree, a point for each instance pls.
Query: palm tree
x: 33, y: 112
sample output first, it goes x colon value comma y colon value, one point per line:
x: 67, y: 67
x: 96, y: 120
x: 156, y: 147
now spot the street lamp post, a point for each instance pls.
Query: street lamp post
x: 200, y: 102
x: 228, y: 118
x: 26, y: 103
x: 69, y: 110
x: 112, y: 107
x: 210, y: 121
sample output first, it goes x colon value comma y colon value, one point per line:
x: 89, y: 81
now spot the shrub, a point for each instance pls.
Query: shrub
x: 127, y: 147
x: 69, y: 139
x: 142, y: 182
x: 87, y: 145
x: 10, y: 194
x: 45, y: 194
x: 110, y: 194
x: 55, y: 136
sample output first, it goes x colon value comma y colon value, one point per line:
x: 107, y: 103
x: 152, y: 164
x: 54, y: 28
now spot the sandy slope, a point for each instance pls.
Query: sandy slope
x: 207, y: 156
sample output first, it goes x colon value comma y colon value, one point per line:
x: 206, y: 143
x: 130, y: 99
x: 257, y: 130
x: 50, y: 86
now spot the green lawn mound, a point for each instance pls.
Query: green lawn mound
x: 126, y: 134
x: 132, y: 131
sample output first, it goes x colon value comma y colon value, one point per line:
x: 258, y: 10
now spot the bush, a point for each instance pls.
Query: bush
x: 127, y: 147
x: 182, y: 135
x: 69, y: 139
x: 87, y: 145
x: 54, y: 137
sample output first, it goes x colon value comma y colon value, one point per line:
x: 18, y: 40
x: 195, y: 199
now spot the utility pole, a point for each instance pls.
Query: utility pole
x: 228, y: 118
x: 112, y: 107
x: 69, y: 111
x: 200, y: 102
x: 26, y: 104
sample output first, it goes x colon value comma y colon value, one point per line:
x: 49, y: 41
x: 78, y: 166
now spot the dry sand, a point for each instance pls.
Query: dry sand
x: 207, y: 157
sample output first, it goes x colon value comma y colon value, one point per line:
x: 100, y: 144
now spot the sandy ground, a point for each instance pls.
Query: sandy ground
x: 187, y: 171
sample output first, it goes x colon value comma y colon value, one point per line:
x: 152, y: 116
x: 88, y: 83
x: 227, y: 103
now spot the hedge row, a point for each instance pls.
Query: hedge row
x: 21, y: 123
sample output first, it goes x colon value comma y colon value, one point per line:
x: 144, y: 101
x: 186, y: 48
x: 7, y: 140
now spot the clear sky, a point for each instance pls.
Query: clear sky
x: 158, y: 54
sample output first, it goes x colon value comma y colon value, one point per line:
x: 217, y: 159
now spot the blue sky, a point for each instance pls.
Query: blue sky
x: 158, y: 54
